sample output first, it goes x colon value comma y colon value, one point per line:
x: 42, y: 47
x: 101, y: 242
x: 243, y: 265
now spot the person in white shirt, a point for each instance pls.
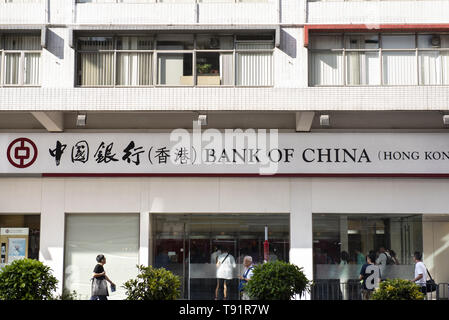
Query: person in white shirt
x: 214, y: 255
x: 246, y: 276
x: 382, y: 261
x: 420, y: 272
x: 225, y: 272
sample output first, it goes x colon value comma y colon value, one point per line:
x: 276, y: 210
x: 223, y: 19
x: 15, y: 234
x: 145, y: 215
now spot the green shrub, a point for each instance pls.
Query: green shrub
x: 27, y: 279
x: 397, y: 289
x: 277, y: 281
x: 204, y: 68
x: 67, y: 295
x: 153, y: 284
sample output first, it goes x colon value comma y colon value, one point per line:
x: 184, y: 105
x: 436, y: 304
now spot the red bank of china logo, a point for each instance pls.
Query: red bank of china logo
x: 22, y: 153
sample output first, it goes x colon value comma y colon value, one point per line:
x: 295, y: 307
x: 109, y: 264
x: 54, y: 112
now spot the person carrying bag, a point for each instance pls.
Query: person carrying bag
x: 99, y: 286
x: 248, y: 264
x: 431, y: 286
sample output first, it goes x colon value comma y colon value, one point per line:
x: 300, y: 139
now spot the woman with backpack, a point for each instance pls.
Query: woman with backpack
x: 246, y: 276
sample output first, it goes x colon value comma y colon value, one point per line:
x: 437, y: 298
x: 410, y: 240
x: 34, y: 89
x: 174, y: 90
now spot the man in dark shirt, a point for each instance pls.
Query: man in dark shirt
x: 99, y: 270
x: 370, y: 276
x: 100, y: 274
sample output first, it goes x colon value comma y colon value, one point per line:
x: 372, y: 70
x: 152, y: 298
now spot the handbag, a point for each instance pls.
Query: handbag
x: 99, y: 287
x: 431, y: 286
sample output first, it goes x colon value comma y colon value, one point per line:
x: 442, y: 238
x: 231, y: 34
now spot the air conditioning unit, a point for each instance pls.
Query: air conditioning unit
x: 436, y: 41
x: 214, y: 43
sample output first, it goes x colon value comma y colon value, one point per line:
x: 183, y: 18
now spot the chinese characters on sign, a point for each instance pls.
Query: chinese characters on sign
x: 106, y: 153
x: 225, y: 153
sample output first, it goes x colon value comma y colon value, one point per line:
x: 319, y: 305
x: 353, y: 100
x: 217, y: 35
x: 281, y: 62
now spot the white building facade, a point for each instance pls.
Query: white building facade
x: 334, y: 78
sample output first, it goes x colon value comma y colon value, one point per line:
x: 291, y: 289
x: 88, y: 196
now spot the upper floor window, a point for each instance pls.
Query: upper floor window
x: 379, y: 59
x: 21, y: 1
x: 175, y: 60
x: 20, y: 60
x: 161, y: 1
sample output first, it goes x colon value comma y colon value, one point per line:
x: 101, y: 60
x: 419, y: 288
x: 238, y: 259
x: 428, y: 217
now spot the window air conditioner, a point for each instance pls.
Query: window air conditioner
x: 436, y: 41
x: 214, y: 42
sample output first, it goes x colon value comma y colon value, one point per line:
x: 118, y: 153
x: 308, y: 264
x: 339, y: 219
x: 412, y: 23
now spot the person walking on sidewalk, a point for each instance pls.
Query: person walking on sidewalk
x: 246, y: 276
x: 99, y: 285
x: 370, y: 275
x: 420, y: 272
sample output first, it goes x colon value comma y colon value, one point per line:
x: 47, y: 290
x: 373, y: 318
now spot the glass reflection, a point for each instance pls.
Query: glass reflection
x: 342, y: 242
x: 191, y: 245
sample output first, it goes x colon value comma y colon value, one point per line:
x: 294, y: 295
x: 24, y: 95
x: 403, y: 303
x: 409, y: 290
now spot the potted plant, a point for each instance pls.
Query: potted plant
x: 204, y: 68
x: 397, y: 289
x: 153, y: 284
x: 277, y: 280
x: 27, y: 279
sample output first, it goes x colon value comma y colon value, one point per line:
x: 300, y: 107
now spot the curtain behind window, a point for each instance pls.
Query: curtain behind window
x: 134, y: 68
x: 326, y: 67
x: 399, y: 67
x: 114, y: 235
x: 226, y: 69
x: 254, y: 69
x: 96, y: 67
x: 13, y: 64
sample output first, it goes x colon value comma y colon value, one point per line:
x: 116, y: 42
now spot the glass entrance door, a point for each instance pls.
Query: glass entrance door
x: 169, y: 247
x: 190, y: 245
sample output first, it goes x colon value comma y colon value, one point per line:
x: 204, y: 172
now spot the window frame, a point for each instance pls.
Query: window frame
x: 381, y: 52
x: 181, y: 2
x: 155, y: 52
x: 21, y: 75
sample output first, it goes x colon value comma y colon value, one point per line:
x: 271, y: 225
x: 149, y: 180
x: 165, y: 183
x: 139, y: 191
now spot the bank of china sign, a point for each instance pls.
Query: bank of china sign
x: 249, y: 152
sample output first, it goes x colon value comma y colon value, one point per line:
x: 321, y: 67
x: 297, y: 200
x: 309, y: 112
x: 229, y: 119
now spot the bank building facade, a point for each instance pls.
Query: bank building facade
x: 165, y: 132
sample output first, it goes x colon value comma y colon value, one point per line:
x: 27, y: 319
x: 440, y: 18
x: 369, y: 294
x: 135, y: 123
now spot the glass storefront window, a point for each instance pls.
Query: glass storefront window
x: 188, y: 245
x: 114, y: 235
x: 19, y: 237
x: 342, y: 242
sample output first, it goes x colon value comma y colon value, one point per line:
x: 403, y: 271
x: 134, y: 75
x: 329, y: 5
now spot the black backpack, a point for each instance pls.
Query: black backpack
x: 389, y: 259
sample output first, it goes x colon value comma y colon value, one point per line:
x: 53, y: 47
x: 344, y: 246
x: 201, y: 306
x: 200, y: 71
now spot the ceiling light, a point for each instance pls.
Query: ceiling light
x: 446, y: 119
x: 324, y: 120
x: 81, y: 120
x: 202, y: 119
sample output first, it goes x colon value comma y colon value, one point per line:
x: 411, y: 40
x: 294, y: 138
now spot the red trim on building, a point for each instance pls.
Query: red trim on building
x: 247, y: 175
x: 434, y: 27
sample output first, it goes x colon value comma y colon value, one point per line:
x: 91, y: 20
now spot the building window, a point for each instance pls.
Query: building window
x: 341, y: 243
x: 20, y: 60
x: 175, y: 60
x: 379, y: 59
x: 19, y: 237
x: 157, y: 1
x: 21, y: 1
x: 189, y: 245
x: 87, y: 235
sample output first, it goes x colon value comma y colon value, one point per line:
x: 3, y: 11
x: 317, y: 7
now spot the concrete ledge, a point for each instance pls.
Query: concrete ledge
x: 415, y: 98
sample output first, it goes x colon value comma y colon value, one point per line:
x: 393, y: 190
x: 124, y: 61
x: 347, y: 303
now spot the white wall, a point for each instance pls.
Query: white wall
x: 22, y: 13
x: 52, y: 197
x: 58, y: 60
x: 290, y: 60
x: 436, y: 248
x: 371, y: 12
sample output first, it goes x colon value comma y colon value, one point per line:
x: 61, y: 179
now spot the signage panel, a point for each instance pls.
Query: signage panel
x: 214, y: 152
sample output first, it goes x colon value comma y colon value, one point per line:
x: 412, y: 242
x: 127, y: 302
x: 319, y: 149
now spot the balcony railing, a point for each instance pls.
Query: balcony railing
x: 22, y: 12
x: 183, y: 12
x: 352, y: 290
